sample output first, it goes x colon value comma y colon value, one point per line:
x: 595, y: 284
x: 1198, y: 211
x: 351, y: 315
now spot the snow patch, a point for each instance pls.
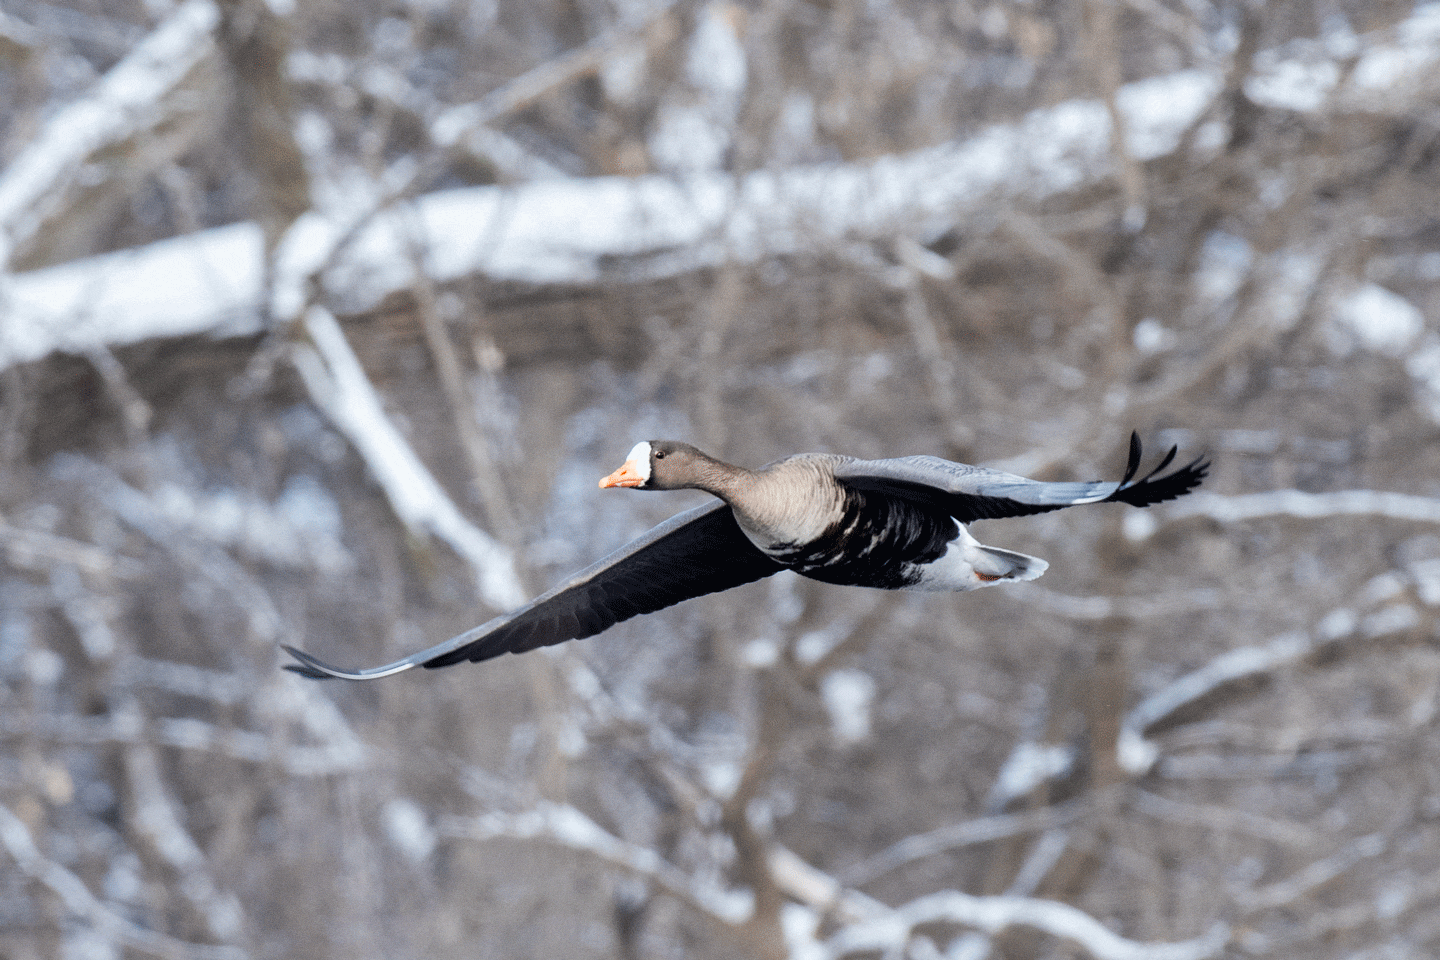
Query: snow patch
x: 1028, y: 766
x: 760, y: 653
x: 1293, y: 85
x: 407, y: 828
x: 716, y: 63
x: 1158, y: 110
x: 1152, y: 337
x: 848, y: 696
x: 1376, y: 319
x: 721, y: 777
x: 1426, y: 574
x: 1424, y: 367
x: 800, y: 926
x: 1225, y: 261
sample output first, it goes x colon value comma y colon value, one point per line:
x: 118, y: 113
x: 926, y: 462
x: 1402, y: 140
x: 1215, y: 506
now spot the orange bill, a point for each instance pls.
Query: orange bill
x: 627, y: 476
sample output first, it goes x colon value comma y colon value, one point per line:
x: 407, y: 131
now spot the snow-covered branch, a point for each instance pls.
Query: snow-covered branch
x: 1296, y: 503
x: 994, y: 914
x: 339, y: 386
x: 1137, y: 754
x: 125, y: 101
x: 36, y: 549
x: 575, y: 231
x: 157, y: 820
x: 868, y: 924
x: 210, y: 282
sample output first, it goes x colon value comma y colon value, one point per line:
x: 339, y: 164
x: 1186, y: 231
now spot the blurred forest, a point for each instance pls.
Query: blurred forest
x: 234, y: 415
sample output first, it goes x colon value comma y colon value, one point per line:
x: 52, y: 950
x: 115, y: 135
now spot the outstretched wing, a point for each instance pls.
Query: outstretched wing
x: 970, y: 493
x: 693, y: 553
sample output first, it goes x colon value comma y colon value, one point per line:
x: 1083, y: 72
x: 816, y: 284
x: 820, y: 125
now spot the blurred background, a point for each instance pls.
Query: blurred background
x: 319, y: 322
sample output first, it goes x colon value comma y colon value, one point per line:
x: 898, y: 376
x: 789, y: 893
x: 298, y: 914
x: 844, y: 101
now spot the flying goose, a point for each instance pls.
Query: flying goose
x: 893, y: 524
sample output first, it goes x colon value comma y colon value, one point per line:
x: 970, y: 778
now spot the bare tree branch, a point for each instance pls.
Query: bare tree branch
x: 659, y: 226
x: 566, y: 826
x: 80, y: 902
x: 979, y: 830
x: 126, y: 101
x: 339, y: 386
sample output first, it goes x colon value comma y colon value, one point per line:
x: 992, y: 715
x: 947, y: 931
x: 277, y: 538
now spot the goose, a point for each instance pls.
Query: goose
x: 897, y: 524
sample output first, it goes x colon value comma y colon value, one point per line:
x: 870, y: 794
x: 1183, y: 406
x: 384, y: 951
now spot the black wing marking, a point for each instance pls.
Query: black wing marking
x: 693, y: 553
x: 971, y: 493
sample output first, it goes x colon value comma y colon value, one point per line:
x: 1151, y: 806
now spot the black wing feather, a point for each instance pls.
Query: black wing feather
x: 1158, y: 490
x: 693, y: 553
x: 1132, y: 464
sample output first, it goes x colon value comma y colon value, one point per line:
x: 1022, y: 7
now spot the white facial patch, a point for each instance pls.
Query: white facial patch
x: 640, y: 456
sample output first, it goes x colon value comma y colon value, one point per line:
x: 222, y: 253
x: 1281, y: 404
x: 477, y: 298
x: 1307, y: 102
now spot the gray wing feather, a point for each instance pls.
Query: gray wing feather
x: 963, y: 479
x: 978, y: 493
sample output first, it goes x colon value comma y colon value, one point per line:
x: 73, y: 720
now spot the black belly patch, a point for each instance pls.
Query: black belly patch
x: 879, y: 541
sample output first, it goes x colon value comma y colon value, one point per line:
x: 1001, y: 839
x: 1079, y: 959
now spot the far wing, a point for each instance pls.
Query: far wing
x: 971, y: 493
x: 693, y: 553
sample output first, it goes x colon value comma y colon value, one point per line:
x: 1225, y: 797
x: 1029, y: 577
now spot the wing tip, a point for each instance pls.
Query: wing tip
x: 308, y: 667
x: 1152, y: 489
x: 313, y: 669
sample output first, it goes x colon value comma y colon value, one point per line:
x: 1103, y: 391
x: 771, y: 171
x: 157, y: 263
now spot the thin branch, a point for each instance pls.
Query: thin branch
x: 1137, y: 754
x: 1314, y: 875
x: 966, y: 833
x: 935, y: 354
x: 1101, y: 36
x: 456, y: 123
x: 566, y: 826
x: 184, y: 733
x: 486, y: 479
x: 79, y: 901
x: 1223, y: 820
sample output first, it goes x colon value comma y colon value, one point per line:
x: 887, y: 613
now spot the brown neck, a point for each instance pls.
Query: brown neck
x: 720, y: 478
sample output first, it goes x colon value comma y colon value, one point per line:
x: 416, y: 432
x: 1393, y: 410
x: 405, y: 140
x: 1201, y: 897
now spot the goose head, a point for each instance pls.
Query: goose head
x: 663, y: 465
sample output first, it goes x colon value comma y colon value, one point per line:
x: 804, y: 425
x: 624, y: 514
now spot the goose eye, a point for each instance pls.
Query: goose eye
x: 659, y: 454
